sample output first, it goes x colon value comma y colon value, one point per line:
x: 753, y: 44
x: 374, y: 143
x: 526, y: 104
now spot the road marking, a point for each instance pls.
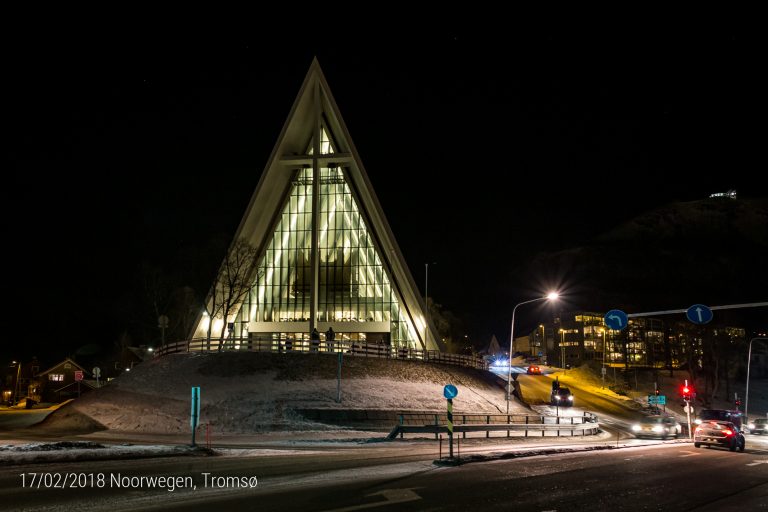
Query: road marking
x: 690, y: 454
x: 758, y: 462
x: 390, y: 496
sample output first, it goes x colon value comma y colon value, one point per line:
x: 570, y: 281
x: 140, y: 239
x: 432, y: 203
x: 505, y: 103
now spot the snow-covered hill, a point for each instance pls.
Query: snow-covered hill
x: 254, y: 392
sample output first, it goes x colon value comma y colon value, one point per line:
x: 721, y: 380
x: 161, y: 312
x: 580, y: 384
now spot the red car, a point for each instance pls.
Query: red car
x: 533, y: 370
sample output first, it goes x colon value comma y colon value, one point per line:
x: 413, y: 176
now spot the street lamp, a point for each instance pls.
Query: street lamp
x: 562, y: 348
x: 550, y: 296
x: 16, y: 386
x: 426, y: 299
x: 746, y: 397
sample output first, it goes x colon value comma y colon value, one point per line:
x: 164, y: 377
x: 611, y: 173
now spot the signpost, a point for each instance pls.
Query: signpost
x: 450, y: 392
x: 338, y: 379
x: 688, y: 409
x: 97, y: 374
x: 162, y: 323
x: 616, y: 319
x: 78, y: 378
x: 699, y: 314
x: 195, y: 412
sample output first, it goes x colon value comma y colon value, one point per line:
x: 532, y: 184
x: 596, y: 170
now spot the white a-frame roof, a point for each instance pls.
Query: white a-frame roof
x: 315, y: 163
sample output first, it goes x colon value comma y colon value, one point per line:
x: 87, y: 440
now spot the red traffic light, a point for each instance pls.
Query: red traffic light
x: 686, y: 390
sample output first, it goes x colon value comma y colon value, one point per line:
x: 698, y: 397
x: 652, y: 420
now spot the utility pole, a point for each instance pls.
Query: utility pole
x: 426, y: 301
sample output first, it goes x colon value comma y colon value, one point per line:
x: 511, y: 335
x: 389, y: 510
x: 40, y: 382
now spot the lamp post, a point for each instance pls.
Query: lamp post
x: 426, y: 300
x: 746, y: 397
x: 562, y: 349
x: 550, y: 296
x: 16, y: 386
x: 603, y: 371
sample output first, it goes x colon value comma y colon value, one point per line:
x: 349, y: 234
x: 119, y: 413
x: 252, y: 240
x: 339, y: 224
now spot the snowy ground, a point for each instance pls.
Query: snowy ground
x: 67, y: 451
x: 255, y: 392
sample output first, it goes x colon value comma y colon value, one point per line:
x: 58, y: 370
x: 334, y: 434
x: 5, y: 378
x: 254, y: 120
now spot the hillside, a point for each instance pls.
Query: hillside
x: 709, y: 252
x: 254, y: 392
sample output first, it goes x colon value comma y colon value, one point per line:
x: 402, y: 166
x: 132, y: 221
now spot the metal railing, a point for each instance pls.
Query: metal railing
x: 353, y: 348
x: 435, y: 423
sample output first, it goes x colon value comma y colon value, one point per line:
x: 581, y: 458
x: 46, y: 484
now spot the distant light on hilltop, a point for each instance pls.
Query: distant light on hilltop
x: 731, y: 194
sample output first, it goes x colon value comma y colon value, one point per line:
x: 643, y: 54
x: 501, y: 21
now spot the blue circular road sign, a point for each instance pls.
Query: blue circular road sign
x: 616, y: 319
x: 699, y: 314
x: 450, y: 391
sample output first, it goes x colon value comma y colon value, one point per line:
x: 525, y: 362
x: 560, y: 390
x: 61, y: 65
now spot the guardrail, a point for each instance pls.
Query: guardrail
x: 435, y: 423
x: 292, y: 346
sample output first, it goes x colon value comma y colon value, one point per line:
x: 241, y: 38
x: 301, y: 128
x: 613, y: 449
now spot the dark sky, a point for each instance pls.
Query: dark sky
x: 484, y: 152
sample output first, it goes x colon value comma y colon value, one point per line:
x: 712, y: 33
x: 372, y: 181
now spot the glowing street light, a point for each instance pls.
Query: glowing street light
x: 549, y: 296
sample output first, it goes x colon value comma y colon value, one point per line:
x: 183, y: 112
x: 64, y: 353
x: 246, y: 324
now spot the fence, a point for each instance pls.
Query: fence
x: 353, y: 348
x: 435, y: 423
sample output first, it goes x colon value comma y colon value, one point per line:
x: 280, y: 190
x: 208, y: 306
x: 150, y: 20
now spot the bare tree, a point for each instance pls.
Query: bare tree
x: 236, y: 277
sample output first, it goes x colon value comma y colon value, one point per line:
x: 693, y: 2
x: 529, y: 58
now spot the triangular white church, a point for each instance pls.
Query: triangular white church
x: 326, y: 256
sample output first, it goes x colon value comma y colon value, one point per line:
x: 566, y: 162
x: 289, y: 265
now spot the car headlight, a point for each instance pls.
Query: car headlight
x: 697, y: 421
x: 570, y: 397
x: 657, y: 428
x: 751, y: 425
x: 636, y: 428
x: 557, y: 397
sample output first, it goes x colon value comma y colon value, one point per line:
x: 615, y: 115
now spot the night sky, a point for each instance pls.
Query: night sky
x: 134, y: 148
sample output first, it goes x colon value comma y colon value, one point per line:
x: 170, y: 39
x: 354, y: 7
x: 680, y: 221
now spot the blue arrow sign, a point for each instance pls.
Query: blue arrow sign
x: 616, y: 319
x: 699, y: 314
x: 450, y: 391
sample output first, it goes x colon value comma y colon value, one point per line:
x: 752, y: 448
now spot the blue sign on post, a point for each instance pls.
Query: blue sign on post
x: 699, y: 314
x: 616, y: 319
x: 195, y: 411
x: 450, y: 391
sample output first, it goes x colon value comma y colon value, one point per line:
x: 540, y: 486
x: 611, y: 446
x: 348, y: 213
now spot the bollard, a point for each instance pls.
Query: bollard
x: 441, y: 447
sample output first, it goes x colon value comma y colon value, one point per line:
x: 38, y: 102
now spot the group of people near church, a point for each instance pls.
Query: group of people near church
x: 314, y: 340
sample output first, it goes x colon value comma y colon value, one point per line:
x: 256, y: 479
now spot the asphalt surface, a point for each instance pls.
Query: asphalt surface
x: 657, y: 476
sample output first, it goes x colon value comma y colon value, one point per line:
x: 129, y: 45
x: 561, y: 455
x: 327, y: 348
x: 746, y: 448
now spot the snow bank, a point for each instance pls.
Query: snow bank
x: 256, y: 392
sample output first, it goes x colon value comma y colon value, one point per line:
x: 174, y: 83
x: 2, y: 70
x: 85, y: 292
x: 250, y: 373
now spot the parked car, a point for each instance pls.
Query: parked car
x: 719, y: 433
x: 562, y: 397
x: 759, y: 426
x: 657, y: 426
x: 533, y: 370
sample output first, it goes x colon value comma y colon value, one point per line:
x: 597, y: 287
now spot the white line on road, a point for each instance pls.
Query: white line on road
x: 390, y: 496
x: 690, y: 454
x: 758, y: 462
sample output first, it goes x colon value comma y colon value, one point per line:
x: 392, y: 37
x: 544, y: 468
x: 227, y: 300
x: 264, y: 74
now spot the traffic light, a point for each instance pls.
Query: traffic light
x: 738, y: 402
x: 658, y: 391
x: 687, y: 392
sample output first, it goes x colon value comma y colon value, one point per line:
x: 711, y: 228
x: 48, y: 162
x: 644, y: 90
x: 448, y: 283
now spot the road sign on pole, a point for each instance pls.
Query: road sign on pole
x: 78, y: 375
x: 450, y: 392
x: 699, y: 314
x: 195, y: 412
x: 616, y: 319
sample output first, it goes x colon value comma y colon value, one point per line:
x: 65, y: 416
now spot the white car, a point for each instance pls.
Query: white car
x: 657, y: 426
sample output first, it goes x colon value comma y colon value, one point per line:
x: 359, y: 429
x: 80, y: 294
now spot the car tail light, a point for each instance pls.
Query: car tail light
x: 727, y: 432
x: 698, y: 429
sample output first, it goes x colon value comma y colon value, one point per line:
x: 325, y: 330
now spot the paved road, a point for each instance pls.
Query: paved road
x: 613, y: 414
x: 663, y: 476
